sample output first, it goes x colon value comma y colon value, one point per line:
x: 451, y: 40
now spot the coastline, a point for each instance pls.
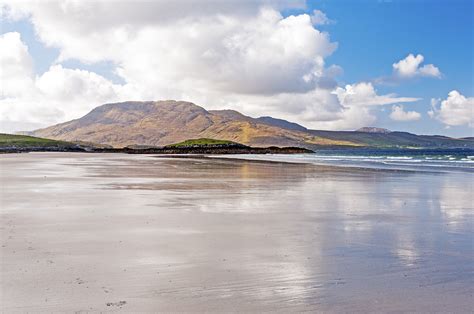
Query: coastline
x: 376, y: 162
x: 317, y: 167
x: 224, y: 149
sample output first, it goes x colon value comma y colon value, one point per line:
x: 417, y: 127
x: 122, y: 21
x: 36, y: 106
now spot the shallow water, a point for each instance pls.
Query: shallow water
x: 431, y: 160
x: 97, y: 232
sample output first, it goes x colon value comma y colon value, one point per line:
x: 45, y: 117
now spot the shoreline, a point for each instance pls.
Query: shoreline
x: 167, y: 150
x: 230, y: 157
x: 320, y: 167
x: 346, y: 162
x: 220, y: 157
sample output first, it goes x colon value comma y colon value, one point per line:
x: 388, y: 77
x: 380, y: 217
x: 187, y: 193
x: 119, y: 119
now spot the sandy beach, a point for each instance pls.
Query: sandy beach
x: 116, y: 232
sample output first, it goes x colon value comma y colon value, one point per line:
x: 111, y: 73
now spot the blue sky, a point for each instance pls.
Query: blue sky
x: 374, y: 34
x: 371, y: 36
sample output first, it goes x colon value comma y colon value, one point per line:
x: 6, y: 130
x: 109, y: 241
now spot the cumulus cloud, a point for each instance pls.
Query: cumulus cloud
x: 359, y: 102
x: 245, y: 47
x: 30, y: 101
x: 456, y: 110
x: 16, y: 65
x: 239, y: 55
x: 399, y: 114
x: 364, y: 95
x: 409, y: 67
x: 344, y: 108
x: 319, y: 18
x: 68, y: 85
x: 267, y: 55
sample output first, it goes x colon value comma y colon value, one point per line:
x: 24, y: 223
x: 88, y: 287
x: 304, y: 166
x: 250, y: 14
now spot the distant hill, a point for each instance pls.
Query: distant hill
x: 160, y: 123
x: 371, y: 129
x: 18, y: 143
x: 14, y: 143
x: 206, y: 142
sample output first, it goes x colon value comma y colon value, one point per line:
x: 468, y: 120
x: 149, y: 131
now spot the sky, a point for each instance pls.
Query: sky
x: 333, y: 65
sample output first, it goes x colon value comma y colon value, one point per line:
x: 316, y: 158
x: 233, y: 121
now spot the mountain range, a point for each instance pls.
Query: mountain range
x: 159, y: 123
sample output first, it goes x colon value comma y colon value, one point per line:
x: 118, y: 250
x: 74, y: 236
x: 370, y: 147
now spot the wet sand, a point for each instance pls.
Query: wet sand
x: 114, y: 232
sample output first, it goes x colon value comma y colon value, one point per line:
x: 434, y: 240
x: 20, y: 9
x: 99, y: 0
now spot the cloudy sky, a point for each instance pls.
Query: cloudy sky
x: 336, y: 65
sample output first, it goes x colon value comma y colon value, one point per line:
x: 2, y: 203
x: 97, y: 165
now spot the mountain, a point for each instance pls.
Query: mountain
x: 165, y: 122
x: 371, y: 129
x: 282, y: 123
x: 160, y: 123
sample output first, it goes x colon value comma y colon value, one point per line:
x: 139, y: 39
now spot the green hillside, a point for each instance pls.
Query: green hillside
x: 25, y: 142
x: 205, y: 142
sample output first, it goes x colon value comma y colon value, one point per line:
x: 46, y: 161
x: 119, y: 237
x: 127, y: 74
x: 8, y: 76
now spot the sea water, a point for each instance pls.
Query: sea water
x: 439, y: 160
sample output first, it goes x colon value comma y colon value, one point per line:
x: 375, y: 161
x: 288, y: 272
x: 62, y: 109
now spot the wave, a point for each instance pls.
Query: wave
x: 430, y: 160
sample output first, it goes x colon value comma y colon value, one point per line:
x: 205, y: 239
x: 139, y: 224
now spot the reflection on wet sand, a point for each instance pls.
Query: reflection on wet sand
x: 99, y: 232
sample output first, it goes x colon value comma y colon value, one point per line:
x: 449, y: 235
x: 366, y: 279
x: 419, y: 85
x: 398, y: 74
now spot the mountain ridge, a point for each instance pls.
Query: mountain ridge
x: 372, y: 129
x: 160, y: 123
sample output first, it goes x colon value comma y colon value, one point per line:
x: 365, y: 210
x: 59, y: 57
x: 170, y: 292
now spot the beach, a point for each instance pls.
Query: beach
x: 130, y: 233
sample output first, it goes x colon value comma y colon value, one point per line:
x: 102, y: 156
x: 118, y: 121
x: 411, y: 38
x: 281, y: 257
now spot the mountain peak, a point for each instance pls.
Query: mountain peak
x: 371, y: 129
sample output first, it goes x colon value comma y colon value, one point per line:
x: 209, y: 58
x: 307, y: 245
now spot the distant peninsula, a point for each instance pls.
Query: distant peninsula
x: 12, y: 143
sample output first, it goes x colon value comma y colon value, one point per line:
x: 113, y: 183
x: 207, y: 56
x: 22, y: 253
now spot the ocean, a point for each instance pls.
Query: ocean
x: 436, y: 160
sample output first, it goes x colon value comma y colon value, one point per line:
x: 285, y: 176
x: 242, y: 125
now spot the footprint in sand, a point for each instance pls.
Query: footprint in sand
x: 119, y: 304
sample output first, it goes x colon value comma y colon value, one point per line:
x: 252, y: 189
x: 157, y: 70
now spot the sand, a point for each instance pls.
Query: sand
x: 114, y: 232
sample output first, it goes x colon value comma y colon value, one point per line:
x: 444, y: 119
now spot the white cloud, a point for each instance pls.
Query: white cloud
x: 29, y: 101
x: 359, y: 102
x: 364, y: 95
x: 347, y: 108
x: 69, y: 85
x: 243, y: 56
x: 268, y: 54
x: 410, y: 67
x: 319, y: 18
x: 16, y: 65
x: 399, y: 114
x: 456, y: 110
x: 247, y: 47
